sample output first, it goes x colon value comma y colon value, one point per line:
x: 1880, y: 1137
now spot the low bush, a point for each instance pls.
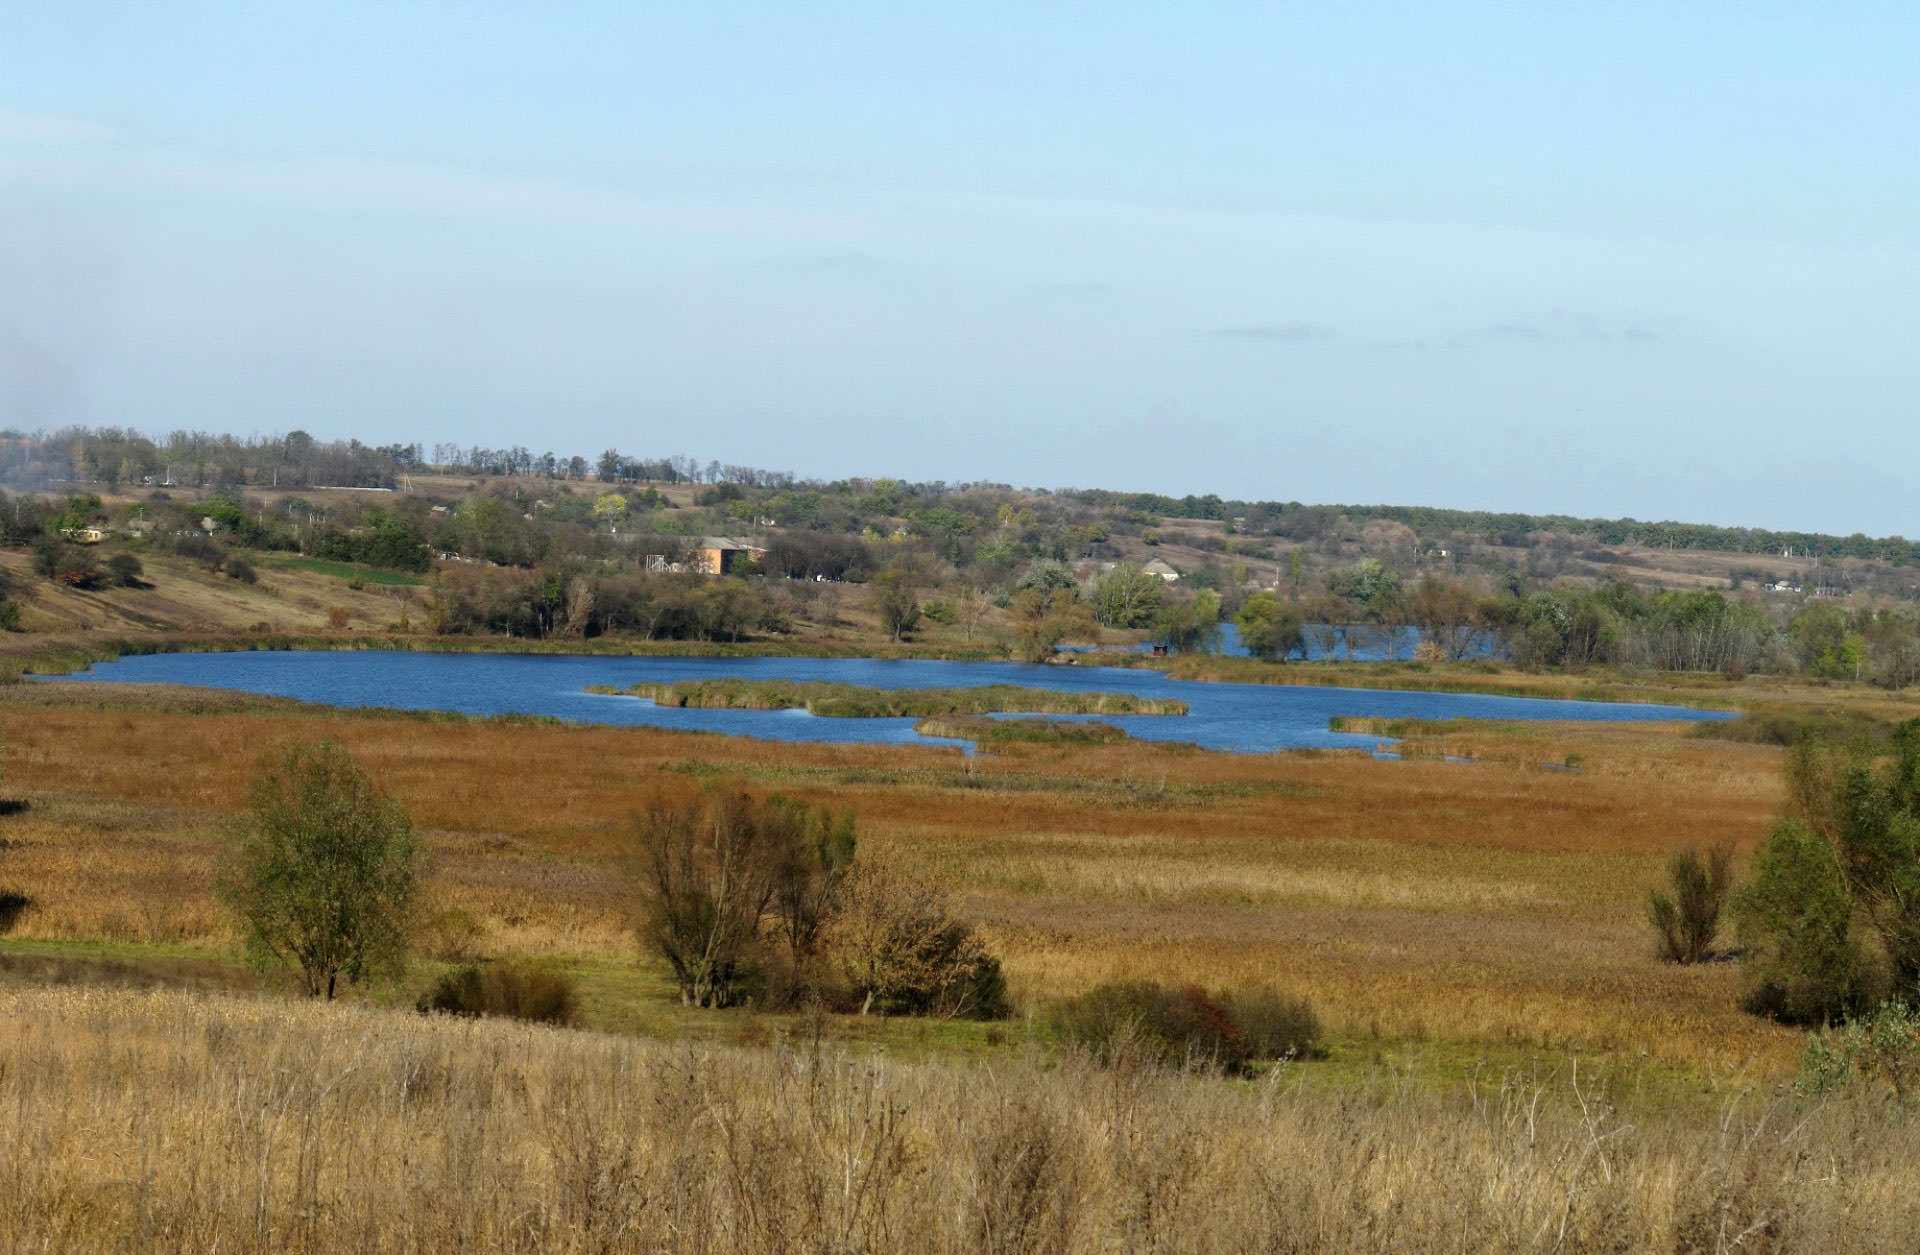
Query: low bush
x: 514, y: 990
x: 1186, y: 1027
x: 200, y: 549
x: 1786, y: 728
x: 238, y: 568
x: 12, y: 907
x: 1275, y: 1025
x: 1881, y: 1048
x: 453, y: 936
x: 1687, y: 920
x: 125, y: 569
x: 67, y: 564
x: 900, y: 951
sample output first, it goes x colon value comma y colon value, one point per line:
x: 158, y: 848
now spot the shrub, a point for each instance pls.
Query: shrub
x: 1885, y: 1044
x: 338, y: 617
x: 125, y: 569
x: 1186, y: 1027
x: 1270, y: 628
x: 1687, y: 921
x: 514, y: 990
x: 323, y: 878
x: 66, y: 564
x: 901, y: 951
x: 453, y: 935
x: 1833, y: 909
x: 1275, y: 1025
x: 1803, y: 964
x: 201, y: 549
x: 713, y: 873
x: 238, y: 568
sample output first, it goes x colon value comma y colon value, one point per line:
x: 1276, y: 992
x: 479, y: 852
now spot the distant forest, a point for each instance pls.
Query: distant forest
x: 113, y: 456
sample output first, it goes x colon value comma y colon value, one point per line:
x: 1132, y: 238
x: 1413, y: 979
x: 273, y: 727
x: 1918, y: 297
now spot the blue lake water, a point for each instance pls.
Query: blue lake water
x: 1250, y: 718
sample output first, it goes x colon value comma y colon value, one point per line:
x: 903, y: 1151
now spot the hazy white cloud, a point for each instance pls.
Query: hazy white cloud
x: 1274, y: 332
x: 41, y: 128
x: 1560, y: 326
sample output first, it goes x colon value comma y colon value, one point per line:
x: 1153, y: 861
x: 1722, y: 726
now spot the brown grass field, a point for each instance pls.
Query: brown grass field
x: 168, y: 1121
x: 1472, y: 933
x: 1495, y: 902
x: 178, y: 595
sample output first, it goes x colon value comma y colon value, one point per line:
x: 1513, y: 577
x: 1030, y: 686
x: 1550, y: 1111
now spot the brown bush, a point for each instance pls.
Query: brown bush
x: 514, y: 990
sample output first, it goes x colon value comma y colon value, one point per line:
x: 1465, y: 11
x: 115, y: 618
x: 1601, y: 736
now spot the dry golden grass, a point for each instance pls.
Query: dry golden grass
x: 179, y: 595
x: 168, y: 1121
x: 1492, y: 902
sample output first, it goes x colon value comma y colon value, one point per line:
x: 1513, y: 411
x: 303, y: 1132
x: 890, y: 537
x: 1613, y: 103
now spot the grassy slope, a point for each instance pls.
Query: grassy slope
x: 178, y: 595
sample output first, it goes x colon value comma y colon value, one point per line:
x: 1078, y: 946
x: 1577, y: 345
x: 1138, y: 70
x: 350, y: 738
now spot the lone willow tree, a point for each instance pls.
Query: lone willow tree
x: 324, y: 877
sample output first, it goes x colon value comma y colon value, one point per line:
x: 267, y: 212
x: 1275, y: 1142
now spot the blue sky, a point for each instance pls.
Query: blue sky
x: 1606, y: 258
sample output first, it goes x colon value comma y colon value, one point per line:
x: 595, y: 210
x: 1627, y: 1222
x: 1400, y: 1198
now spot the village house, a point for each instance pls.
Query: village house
x: 721, y: 555
x: 1161, y: 569
x: 85, y: 535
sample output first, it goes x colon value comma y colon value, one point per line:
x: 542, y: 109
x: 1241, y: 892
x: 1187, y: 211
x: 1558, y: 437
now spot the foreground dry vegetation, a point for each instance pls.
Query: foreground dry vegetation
x: 181, y: 1122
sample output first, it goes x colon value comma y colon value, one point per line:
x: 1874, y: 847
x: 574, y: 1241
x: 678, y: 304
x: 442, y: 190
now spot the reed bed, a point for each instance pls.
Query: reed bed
x: 1486, y: 903
x: 853, y: 701
x: 144, y: 1120
x: 990, y: 733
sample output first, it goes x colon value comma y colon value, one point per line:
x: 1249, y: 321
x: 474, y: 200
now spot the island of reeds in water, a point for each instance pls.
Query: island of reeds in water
x: 852, y: 701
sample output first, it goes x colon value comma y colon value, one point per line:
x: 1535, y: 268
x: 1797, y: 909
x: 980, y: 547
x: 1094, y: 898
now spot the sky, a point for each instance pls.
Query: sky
x: 1601, y: 258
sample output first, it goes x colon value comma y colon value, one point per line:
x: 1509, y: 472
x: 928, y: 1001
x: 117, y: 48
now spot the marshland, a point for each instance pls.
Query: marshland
x: 1194, y: 950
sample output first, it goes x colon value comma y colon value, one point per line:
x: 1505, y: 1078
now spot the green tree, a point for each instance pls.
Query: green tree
x: 1823, y: 640
x: 1045, y: 620
x: 1270, y: 628
x: 1448, y: 613
x: 898, y: 603
x: 1048, y: 576
x: 1369, y: 584
x: 1189, y: 624
x: 1127, y: 597
x: 324, y: 878
x: 1803, y: 964
x: 610, y: 507
x: 1832, y: 912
